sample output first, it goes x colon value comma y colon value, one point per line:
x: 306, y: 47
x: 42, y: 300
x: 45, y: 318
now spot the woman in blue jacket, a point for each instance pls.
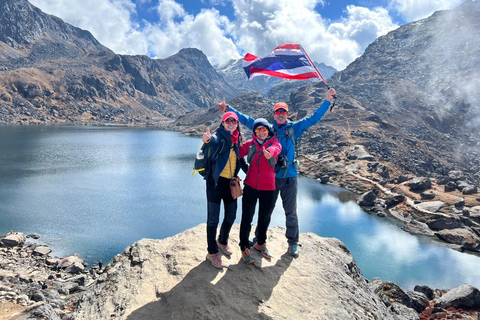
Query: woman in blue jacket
x: 226, y: 139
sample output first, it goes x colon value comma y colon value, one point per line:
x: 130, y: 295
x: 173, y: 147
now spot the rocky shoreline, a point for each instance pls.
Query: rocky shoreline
x: 446, y: 208
x: 34, y: 285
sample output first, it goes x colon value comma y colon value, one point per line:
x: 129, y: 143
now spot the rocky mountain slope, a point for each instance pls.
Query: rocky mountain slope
x: 53, y: 72
x: 412, y: 99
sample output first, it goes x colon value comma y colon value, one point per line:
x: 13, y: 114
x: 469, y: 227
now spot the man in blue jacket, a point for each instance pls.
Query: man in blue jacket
x: 286, y: 171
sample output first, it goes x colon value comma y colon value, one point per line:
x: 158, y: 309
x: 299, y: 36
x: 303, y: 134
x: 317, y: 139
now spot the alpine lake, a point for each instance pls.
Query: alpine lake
x: 96, y: 190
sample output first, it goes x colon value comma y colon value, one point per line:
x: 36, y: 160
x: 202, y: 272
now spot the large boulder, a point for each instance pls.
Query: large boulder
x: 367, y: 199
x: 42, y: 251
x: 470, y: 190
x: 389, y: 292
x: 441, y: 223
x: 465, y: 296
x: 417, y: 227
x: 420, y: 184
x: 450, y: 186
x: 431, y: 206
x: 462, y: 236
x: 359, y: 152
x: 456, y: 175
x: 13, y: 239
x: 73, y: 264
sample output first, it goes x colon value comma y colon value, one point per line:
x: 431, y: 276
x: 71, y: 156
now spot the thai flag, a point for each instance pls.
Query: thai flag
x: 288, y: 61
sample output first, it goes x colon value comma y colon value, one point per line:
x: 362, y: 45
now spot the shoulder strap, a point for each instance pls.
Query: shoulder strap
x: 291, y: 134
x: 252, y: 151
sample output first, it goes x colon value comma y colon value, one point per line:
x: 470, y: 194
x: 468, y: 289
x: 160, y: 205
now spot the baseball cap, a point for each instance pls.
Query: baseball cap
x: 280, y: 105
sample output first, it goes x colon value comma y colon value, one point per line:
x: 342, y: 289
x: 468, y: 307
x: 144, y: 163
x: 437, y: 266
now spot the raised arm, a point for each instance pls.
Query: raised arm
x: 301, y: 126
x: 243, y: 118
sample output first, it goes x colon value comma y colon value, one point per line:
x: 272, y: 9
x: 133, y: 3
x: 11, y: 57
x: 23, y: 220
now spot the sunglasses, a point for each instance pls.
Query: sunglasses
x: 229, y: 121
x: 261, y: 129
x: 281, y: 112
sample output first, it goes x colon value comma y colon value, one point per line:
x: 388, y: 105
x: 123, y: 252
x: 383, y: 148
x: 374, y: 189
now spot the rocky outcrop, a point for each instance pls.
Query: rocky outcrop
x: 13, y: 239
x: 171, y: 277
x: 35, y: 285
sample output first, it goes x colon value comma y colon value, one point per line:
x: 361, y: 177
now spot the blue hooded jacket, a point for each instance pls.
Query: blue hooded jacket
x: 288, y: 147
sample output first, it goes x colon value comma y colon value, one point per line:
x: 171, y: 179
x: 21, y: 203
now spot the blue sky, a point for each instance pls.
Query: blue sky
x: 335, y: 32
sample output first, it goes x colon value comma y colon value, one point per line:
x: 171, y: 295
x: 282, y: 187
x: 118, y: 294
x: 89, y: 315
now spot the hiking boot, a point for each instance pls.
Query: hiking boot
x: 247, y: 258
x: 225, y: 249
x: 263, y: 250
x: 293, y: 250
x: 216, y: 260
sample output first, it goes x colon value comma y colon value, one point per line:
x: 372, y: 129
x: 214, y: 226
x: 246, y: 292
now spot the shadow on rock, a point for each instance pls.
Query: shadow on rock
x: 238, y: 292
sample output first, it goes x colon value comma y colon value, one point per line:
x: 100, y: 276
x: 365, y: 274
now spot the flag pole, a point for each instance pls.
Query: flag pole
x: 318, y: 72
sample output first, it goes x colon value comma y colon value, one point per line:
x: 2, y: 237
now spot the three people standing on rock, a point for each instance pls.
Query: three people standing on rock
x: 282, y: 138
x: 286, y: 171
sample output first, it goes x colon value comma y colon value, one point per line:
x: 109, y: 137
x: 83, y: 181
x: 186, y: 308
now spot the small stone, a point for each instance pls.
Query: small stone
x: 459, y: 203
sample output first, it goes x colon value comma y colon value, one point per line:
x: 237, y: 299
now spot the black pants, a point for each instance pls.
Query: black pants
x: 215, y: 194
x: 266, y: 200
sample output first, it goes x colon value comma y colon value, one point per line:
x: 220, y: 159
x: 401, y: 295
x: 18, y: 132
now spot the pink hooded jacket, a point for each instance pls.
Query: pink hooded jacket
x: 260, y: 174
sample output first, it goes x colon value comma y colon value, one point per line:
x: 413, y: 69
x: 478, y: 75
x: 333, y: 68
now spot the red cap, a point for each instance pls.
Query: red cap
x: 280, y: 105
x: 229, y: 114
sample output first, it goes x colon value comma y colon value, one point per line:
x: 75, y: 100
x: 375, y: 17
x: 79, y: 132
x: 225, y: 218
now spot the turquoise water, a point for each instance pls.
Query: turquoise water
x: 95, y: 191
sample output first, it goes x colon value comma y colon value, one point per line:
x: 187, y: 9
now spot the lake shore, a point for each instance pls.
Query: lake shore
x: 33, y: 284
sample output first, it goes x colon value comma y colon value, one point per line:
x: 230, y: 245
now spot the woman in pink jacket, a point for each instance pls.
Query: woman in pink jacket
x: 259, y: 184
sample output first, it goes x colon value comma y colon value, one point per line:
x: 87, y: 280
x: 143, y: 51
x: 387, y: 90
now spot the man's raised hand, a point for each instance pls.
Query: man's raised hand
x: 222, y: 106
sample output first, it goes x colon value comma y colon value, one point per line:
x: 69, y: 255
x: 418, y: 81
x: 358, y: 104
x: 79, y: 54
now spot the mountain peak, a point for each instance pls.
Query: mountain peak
x: 24, y: 27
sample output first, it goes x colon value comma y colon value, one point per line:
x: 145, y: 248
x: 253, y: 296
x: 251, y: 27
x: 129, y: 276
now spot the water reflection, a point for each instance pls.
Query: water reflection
x: 381, y: 248
x: 95, y: 191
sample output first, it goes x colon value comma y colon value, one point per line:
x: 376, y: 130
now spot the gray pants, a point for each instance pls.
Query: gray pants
x: 288, y: 189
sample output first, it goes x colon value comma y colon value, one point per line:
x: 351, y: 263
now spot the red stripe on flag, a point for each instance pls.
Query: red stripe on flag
x: 249, y: 57
x: 289, y: 46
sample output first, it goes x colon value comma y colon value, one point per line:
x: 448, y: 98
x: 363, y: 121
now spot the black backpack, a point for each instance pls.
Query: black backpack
x: 205, y: 158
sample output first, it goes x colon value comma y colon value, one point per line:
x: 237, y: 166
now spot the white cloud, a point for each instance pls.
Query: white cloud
x: 205, y: 31
x: 258, y: 27
x: 169, y: 10
x: 109, y: 21
x: 363, y: 25
x: 261, y: 28
x: 412, y: 10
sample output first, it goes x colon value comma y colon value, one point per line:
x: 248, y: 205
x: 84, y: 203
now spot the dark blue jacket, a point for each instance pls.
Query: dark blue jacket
x: 288, y: 147
x: 219, y: 164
